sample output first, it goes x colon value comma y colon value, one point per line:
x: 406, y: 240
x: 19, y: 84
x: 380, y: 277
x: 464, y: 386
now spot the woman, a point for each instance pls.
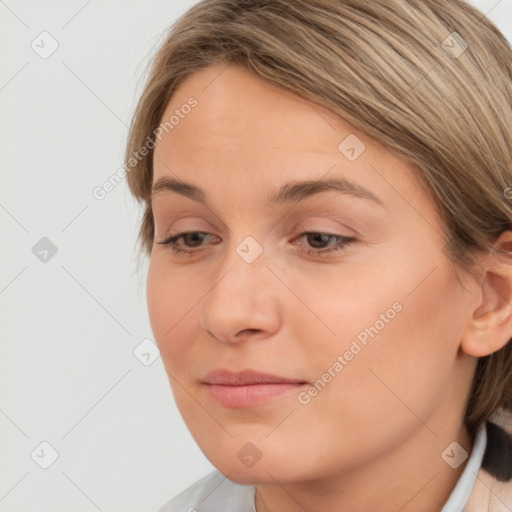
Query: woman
x: 326, y: 192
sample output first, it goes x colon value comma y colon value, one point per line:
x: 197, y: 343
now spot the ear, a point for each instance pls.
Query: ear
x: 490, y: 327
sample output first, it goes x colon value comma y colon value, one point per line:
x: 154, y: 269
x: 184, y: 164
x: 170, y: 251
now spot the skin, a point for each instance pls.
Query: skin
x: 372, y: 439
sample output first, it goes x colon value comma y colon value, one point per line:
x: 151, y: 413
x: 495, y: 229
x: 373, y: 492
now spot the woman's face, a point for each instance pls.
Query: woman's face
x: 365, y: 312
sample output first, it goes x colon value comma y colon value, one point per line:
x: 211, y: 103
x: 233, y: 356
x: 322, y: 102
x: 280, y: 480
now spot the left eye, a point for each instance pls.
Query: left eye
x: 341, y: 242
x: 193, y: 239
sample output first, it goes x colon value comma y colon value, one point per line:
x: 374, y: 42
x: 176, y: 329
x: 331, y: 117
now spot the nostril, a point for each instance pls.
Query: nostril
x: 248, y: 331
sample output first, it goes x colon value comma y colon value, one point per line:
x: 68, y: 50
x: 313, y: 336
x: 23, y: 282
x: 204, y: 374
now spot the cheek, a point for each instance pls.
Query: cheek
x: 410, y: 360
x: 397, y: 335
x: 402, y: 370
x: 171, y: 303
x: 159, y: 299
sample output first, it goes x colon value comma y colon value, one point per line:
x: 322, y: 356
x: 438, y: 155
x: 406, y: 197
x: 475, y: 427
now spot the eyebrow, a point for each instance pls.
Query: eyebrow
x: 294, y: 191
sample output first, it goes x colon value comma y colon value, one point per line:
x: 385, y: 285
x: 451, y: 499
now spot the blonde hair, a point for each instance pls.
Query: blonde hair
x: 431, y: 80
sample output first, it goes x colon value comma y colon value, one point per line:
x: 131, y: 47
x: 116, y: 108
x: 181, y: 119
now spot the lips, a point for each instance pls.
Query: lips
x: 248, y: 388
x: 246, y: 378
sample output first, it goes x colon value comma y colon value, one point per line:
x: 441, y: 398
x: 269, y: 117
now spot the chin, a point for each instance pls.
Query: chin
x: 267, y: 469
x: 247, y: 476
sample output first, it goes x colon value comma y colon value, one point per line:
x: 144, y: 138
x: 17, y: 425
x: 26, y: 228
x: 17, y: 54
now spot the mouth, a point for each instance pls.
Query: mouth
x: 248, y: 388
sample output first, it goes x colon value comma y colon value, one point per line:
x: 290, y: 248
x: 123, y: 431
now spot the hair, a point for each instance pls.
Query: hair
x: 430, y: 80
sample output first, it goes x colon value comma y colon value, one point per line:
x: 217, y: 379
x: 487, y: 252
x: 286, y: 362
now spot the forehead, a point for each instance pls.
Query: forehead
x: 243, y: 127
x: 232, y: 97
x: 238, y: 113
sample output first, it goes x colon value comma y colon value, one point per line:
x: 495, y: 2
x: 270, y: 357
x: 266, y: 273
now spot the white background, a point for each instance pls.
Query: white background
x: 69, y: 326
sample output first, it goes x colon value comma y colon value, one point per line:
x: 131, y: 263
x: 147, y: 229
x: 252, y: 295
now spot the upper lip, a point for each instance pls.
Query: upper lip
x: 247, y: 377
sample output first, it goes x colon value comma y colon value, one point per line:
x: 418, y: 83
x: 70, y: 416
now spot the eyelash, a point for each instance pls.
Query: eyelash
x: 343, y: 242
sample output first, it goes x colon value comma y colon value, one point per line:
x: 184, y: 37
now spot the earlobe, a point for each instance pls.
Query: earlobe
x: 490, y: 327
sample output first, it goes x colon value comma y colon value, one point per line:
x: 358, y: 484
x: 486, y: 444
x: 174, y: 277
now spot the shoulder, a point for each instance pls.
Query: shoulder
x: 493, y: 488
x: 212, y: 493
x: 498, y: 454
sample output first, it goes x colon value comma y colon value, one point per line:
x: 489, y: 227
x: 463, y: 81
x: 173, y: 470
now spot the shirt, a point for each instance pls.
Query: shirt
x: 485, y: 485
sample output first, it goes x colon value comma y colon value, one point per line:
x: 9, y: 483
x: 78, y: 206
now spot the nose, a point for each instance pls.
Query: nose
x: 243, y: 302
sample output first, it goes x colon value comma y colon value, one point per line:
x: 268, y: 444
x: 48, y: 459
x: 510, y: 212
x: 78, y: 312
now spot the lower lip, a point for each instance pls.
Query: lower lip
x: 249, y: 396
